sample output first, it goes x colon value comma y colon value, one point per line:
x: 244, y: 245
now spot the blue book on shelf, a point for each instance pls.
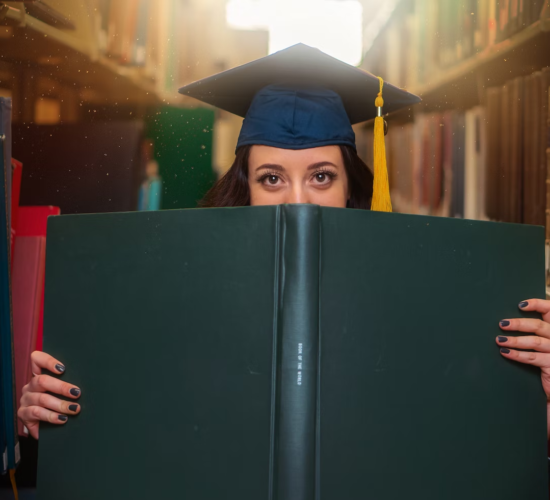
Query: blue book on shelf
x: 6, y: 326
x: 3, y: 445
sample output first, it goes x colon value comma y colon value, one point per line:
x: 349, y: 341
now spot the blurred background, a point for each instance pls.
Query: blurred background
x: 97, y: 124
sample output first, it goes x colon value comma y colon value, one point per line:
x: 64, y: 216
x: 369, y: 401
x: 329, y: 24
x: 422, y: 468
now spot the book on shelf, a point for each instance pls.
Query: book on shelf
x: 16, y: 173
x: 8, y: 433
x: 474, y: 164
x: 295, y: 375
x: 32, y: 225
x: 427, y: 176
x: 27, y: 286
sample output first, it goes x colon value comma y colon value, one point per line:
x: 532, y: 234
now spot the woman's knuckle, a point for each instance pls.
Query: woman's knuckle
x: 531, y: 356
x: 35, y: 412
x: 42, y: 400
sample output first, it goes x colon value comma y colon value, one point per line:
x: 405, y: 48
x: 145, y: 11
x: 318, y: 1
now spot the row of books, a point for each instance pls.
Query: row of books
x: 430, y: 36
x: 515, y: 15
x: 26, y: 272
x: 518, y: 142
x: 489, y: 162
x: 436, y: 164
x: 142, y: 33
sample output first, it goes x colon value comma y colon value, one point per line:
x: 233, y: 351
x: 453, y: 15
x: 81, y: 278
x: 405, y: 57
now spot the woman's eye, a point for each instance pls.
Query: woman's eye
x: 271, y: 179
x: 323, y: 178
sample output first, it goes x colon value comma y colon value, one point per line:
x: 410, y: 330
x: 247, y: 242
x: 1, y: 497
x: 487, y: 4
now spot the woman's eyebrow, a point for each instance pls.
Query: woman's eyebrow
x: 321, y: 164
x: 271, y: 166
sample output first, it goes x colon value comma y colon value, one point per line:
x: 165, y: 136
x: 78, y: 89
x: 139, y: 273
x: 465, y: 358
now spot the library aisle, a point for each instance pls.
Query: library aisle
x: 91, y: 121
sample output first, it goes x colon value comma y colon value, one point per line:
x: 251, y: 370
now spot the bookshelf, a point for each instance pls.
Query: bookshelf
x: 477, y: 146
x: 73, y: 57
x: 510, y: 51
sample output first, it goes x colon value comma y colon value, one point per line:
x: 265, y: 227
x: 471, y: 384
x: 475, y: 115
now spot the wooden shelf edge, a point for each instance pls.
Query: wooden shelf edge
x: 135, y: 76
x: 51, y: 32
x: 447, y: 76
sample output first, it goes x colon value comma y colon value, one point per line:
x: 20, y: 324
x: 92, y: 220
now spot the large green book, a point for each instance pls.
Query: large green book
x: 291, y: 353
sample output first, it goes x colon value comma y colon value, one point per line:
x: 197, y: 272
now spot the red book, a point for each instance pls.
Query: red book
x: 16, y: 172
x: 27, y: 291
x: 33, y: 221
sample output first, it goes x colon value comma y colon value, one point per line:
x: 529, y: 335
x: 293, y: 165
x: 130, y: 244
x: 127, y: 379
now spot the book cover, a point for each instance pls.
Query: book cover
x: 492, y: 23
x: 470, y: 166
x: 33, y: 223
x: 140, y: 47
x: 534, y: 192
x: 544, y: 143
x: 16, y: 173
x: 306, y: 352
x: 515, y: 161
x: 27, y: 287
x: 504, y: 181
x: 6, y: 326
x: 128, y: 31
x: 457, y: 165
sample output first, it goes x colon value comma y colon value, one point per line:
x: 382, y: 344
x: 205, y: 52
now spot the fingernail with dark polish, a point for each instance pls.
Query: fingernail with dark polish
x: 503, y: 339
x: 523, y: 304
x: 505, y: 323
x: 504, y: 350
x: 75, y: 392
x: 63, y: 418
x: 73, y: 407
x: 60, y: 368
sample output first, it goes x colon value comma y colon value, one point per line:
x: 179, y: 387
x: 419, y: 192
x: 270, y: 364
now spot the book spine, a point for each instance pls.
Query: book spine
x: 6, y: 326
x: 298, y: 345
x: 547, y: 211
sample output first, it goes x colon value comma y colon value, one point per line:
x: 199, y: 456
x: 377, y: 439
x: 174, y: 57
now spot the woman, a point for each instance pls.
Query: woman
x: 296, y: 146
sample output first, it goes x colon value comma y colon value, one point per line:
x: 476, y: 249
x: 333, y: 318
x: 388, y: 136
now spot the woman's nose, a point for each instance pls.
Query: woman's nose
x: 297, y: 195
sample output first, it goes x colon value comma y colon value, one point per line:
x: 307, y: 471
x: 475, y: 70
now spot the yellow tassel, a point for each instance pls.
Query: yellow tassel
x: 13, y: 485
x: 381, y: 200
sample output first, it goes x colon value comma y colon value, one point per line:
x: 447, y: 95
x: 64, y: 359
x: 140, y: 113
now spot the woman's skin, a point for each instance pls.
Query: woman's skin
x: 316, y: 176
x: 277, y: 176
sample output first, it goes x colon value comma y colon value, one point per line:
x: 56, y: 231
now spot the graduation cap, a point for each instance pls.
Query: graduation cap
x: 301, y: 98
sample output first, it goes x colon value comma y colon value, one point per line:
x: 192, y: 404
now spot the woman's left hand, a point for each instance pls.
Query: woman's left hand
x: 538, y: 342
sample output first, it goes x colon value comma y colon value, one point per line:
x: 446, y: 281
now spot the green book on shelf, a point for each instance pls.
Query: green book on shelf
x: 291, y: 353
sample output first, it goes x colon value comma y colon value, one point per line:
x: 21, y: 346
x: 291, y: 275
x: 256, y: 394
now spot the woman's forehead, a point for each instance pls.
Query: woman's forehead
x: 267, y: 154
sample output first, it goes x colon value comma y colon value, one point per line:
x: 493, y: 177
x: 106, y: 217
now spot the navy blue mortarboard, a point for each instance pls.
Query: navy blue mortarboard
x: 298, y: 98
x: 301, y: 98
x: 296, y: 117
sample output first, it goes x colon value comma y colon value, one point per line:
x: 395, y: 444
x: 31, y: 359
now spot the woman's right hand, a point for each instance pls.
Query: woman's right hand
x: 37, y: 405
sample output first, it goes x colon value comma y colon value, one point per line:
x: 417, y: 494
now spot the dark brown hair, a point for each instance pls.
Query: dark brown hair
x: 232, y: 189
